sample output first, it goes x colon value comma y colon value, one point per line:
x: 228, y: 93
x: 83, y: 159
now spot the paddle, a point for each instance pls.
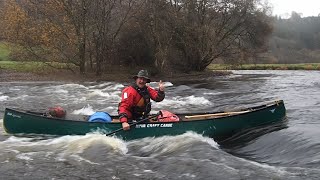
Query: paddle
x: 142, y: 120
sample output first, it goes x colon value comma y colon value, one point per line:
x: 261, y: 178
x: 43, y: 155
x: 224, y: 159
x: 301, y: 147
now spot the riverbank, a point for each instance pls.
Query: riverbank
x: 39, y: 71
x: 7, y: 75
x: 302, y: 66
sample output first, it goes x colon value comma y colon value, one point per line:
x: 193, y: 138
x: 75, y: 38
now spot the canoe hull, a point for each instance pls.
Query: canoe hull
x: 19, y: 122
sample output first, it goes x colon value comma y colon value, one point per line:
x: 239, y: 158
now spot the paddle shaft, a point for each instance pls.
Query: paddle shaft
x: 121, y: 129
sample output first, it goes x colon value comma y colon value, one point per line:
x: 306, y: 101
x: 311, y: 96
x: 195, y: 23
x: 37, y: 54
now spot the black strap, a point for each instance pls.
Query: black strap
x: 144, y: 93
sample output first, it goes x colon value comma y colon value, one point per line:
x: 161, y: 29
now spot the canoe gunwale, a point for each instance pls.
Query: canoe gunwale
x: 260, y: 107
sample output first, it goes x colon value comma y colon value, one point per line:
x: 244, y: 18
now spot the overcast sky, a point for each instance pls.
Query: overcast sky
x: 306, y: 7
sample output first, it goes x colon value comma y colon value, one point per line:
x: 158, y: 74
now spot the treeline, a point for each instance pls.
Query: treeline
x: 295, y: 40
x: 180, y: 35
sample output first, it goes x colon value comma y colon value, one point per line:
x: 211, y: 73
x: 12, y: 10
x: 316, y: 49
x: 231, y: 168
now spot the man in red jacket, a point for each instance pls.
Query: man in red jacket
x: 135, y: 99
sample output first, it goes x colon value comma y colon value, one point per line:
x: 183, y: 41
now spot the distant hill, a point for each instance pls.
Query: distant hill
x: 295, y: 40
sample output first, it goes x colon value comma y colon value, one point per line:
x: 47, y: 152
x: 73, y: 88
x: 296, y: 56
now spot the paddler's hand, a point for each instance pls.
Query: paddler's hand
x: 161, y: 86
x: 125, y: 126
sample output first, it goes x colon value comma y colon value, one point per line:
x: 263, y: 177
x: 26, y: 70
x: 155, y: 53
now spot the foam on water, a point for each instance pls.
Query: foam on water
x: 98, y: 92
x: 156, y: 84
x: 116, y: 95
x: 159, y: 146
x: 65, y: 144
x: 78, y: 100
x: 81, y: 159
x: 2, y: 131
x: 179, y: 101
x: 26, y: 156
x: 213, y: 93
x: 116, y: 87
x: 79, y: 143
x: 73, y: 146
x: 71, y: 86
x: 14, y: 89
x: 14, y: 141
x: 108, y: 86
x: 100, y: 85
x: 61, y: 91
x: 3, y: 98
x: 112, y: 110
x: 20, y: 97
x: 87, y: 110
x: 61, y: 148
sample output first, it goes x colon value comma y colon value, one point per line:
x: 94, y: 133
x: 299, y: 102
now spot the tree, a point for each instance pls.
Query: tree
x: 296, y: 40
x: 109, y: 18
x: 71, y: 31
x: 221, y: 29
x: 47, y: 30
x: 189, y: 34
x: 186, y: 35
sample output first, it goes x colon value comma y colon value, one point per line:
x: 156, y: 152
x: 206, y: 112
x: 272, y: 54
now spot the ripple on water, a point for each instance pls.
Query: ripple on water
x: 167, y: 156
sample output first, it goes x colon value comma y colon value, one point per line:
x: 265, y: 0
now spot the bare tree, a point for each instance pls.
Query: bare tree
x: 175, y: 34
x: 50, y: 30
x: 191, y: 34
x: 224, y: 29
x: 109, y: 18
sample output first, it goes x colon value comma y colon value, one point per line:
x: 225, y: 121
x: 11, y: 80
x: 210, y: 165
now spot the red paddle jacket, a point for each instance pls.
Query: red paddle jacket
x: 135, y: 102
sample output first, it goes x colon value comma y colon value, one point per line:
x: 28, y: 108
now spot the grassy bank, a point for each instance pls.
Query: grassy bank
x: 307, y: 66
x: 52, y: 67
x: 33, y: 67
x: 39, y: 71
x: 28, y: 66
x: 4, y: 52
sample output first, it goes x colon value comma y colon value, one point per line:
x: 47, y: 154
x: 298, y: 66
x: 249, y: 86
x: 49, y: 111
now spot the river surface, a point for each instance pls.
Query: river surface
x: 289, y: 152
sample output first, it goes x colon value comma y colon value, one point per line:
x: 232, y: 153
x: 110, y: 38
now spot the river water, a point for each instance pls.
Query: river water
x: 289, y: 152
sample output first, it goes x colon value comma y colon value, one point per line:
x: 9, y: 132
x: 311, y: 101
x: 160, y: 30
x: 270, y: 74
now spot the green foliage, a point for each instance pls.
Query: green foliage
x: 34, y: 67
x: 4, y: 52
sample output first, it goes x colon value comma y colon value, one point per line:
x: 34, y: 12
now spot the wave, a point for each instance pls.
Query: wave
x: 4, y: 98
x: 168, y: 145
x: 78, y: 144
x: 71, y: 86
x: 61, y: 148
x: 179, y: 101
x: 89, y: 110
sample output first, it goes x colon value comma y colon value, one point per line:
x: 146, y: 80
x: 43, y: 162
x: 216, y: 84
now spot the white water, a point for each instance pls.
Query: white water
x: 291, y: 153
x: 3, y: 98
x: 87, y: 99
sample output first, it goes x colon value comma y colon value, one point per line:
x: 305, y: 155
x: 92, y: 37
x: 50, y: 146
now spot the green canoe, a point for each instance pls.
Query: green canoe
x: 215, y: 125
